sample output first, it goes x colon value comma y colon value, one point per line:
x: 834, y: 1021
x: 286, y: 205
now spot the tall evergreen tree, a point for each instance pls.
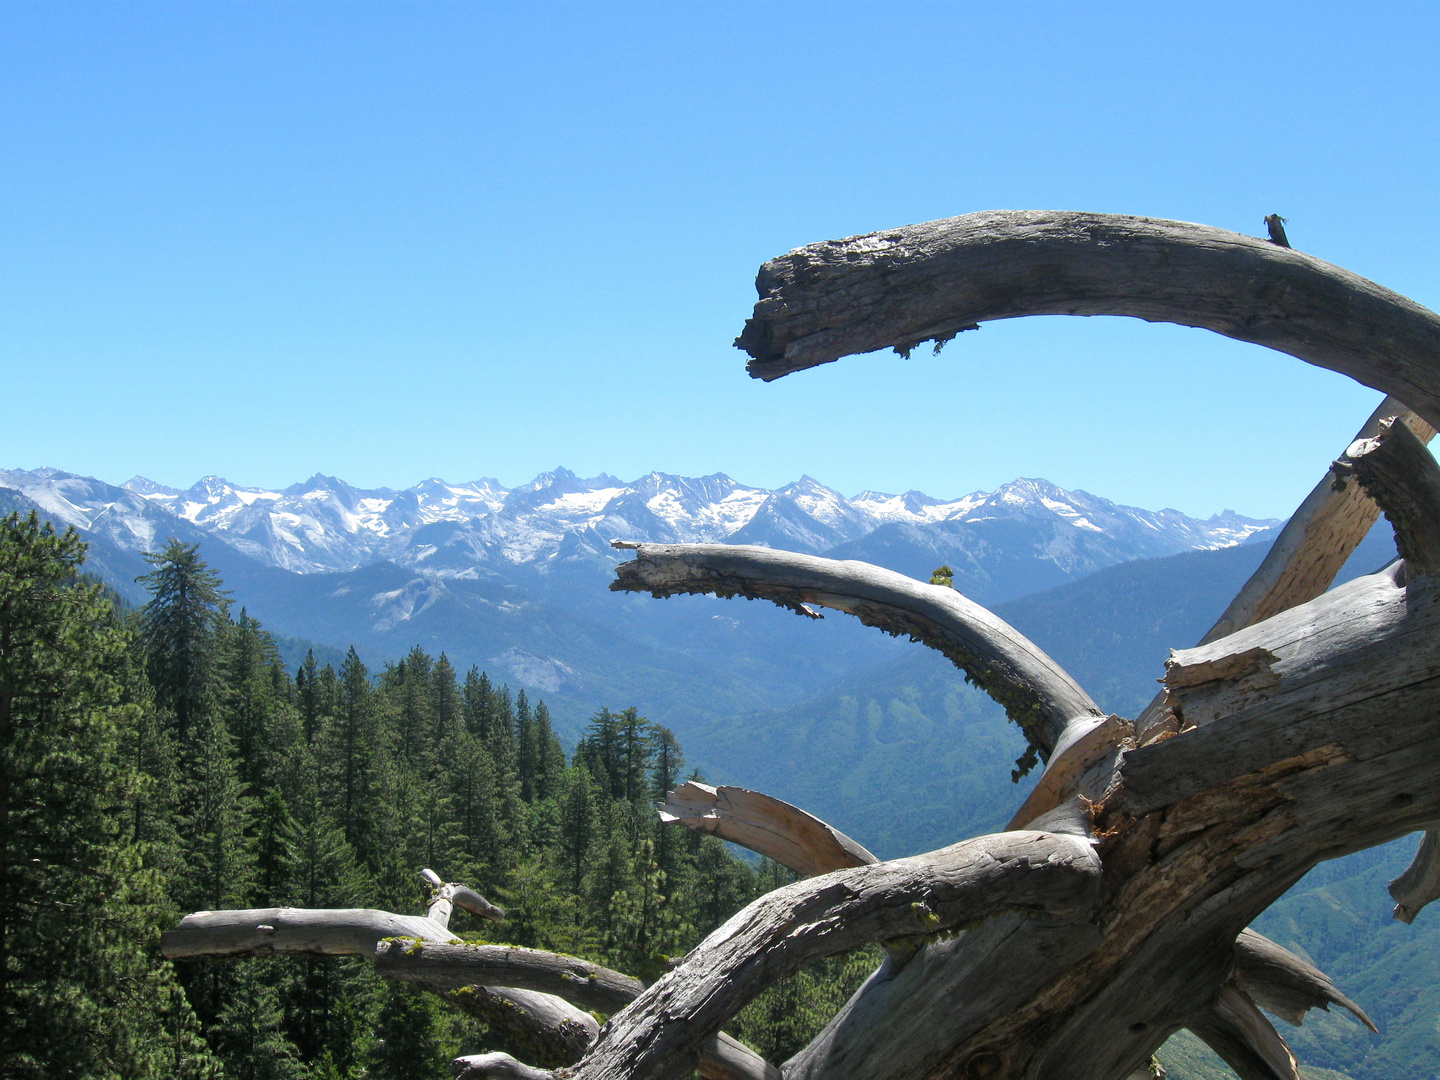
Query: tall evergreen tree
x: 79, y: 993
x: 181, y: 628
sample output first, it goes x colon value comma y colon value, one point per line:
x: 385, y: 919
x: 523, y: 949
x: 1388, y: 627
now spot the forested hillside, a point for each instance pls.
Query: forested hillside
x: 163, y: 760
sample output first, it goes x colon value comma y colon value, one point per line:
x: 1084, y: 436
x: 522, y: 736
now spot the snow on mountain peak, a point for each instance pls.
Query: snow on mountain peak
x: 324, y: 523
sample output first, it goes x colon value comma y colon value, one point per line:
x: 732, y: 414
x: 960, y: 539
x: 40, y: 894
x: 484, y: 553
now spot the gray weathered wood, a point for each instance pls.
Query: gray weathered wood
x: 263, y: 931
x: 724, y: 1058
x: 1314, y: 544
x: 1401, y: 475
x: 1035, y: 691
x: 1236, y: 1030
x: 1307, y: 555
x: 1420, y: 883
x: 900, y: 287
x: 1279, y: 981
x: 552, y: 1031
x: 496, y: 1066
x: 450, y: 966
x: 765, y: 825
x: 445, y: 895
x: 658, y: 1035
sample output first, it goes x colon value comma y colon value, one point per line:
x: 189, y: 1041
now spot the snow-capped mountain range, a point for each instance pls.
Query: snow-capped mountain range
x: 325, y: 525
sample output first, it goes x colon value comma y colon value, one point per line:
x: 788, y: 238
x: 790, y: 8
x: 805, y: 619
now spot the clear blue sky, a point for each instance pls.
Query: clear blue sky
x: 400, y: 240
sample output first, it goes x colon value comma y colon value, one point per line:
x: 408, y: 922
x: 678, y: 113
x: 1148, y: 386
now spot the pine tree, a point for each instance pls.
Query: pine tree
x: 551, y: 756
x: 446, y: 696
x: 527, y: 744
x: 345, y: 748
x: 181, y: 628
x: 79, y: 992
x: 307, y: 693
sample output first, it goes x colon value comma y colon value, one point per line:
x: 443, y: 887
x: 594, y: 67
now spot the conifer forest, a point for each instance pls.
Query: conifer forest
x: 163, y: 760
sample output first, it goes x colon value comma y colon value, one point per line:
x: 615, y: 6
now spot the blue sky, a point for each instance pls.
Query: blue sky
x: 394, y: 241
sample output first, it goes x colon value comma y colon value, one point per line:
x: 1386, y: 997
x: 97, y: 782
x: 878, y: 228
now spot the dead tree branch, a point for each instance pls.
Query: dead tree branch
x: 452, y: 966
x: 765, y: 825
x: 900, y: 287
x: 1035, y: 691
x: 657, y: 1036
x: 1401, y: 475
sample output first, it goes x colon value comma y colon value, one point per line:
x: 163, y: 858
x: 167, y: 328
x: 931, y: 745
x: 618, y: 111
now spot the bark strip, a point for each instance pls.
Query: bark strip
x: 1420, y: 883
x: 1279, y: 981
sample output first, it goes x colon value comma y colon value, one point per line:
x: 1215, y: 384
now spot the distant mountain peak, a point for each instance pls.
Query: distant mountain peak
x: 142, y: 485
x: 325, y: 524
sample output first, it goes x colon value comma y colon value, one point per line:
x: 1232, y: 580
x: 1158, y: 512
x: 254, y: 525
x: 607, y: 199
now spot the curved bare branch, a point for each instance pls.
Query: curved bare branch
x: 1278, y: 980
x: 656, y: 1037
x: 450, y: 966
x: 1236, y: 1030
x: 1035, y: 691
x: 897, y: 288
x: 552, y: 1031
x: 263, y: 931
x: 1420, y: 883
x: 765, y: 825
x: 496, y: 1066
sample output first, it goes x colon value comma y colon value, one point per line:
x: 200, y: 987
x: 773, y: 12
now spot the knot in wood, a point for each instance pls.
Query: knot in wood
x: 983, y: 1065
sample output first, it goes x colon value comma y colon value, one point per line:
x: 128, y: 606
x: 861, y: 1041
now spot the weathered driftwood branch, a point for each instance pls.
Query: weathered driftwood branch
x: 657, y: 1036
x: 897, y: 288
x: 296, y: 931
x: 1420, y: 883
x: 1304, y: 559
x: 1279, y: 981
x: 1401, y: 475
x: 452, y: 966
x: 1236, y: 1030
x: 1314, y: 544
x: 765, y: 825
x: 1035, y: 691
x: 724, y: 1058
x: 496, y: 1066
x: 445, y: 895
x: 551, y: 1031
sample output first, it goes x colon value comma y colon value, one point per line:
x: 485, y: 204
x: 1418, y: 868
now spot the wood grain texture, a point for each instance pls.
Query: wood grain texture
x: 900, y: 287
x: 1282, y: 983
x: 1236, y: 1030
x: 1317, y: 539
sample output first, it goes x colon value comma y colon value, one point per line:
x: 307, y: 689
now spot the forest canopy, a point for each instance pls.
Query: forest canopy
x: 164, y: 760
